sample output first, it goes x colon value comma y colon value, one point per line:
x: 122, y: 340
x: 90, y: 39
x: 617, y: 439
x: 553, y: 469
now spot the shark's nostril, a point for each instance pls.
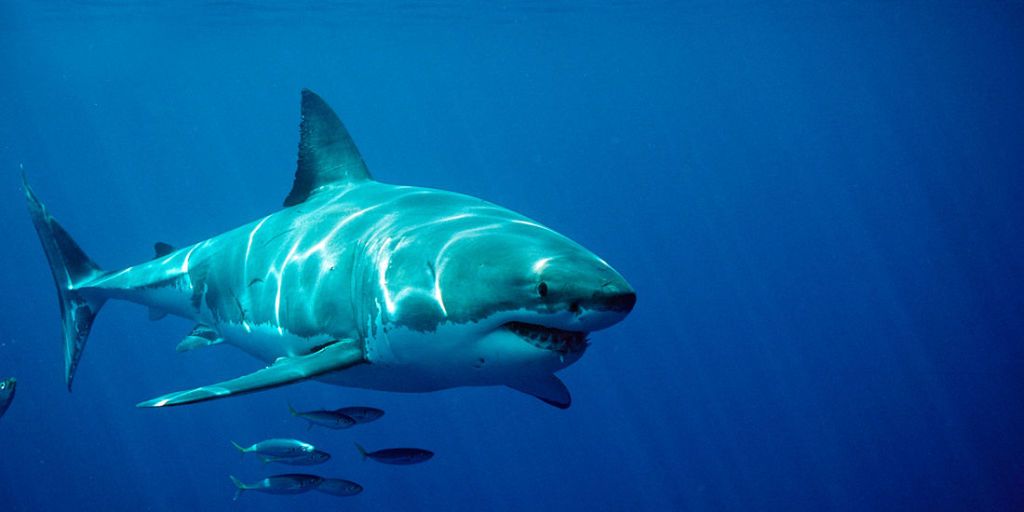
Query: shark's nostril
x: 622, y: 301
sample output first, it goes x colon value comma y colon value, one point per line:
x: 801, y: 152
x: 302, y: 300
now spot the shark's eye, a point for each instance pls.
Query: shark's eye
x: 542, y: 289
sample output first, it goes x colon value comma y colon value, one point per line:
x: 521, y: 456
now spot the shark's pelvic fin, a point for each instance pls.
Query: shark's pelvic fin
x: 286, y: 370
x: 202, y: 335
x: 549, y: 389
x: 327, y: 154
x: 70, y: 268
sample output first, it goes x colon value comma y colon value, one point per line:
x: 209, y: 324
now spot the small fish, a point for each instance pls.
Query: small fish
x: 400, y: 456
x: 339, y: 487
x: 292, y: 483
x: 306, y: 459
x: 7, y: 393
x: 361, y: 414
x: 277, y: 448
x: 330, y: 419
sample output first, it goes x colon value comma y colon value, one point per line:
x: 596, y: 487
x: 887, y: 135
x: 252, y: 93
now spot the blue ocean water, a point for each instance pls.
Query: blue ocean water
x: 818, y: 204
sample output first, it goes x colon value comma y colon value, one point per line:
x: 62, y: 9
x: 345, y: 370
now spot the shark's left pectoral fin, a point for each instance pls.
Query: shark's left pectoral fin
x: 336, y: 356
x: 549, y: 389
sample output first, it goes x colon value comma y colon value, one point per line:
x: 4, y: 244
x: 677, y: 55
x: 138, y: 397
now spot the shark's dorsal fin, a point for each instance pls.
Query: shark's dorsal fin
x: 327, y: 154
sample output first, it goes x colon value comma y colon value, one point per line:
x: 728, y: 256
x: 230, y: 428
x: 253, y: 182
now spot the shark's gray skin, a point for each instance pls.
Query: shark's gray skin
x: 360, y: 283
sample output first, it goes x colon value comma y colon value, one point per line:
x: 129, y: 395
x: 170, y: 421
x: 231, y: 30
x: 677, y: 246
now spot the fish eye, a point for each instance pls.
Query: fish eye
x: 542, y: 289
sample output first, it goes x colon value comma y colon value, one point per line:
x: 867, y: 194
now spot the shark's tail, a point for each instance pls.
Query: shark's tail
x: 362, y: 451
x: 70, y: 267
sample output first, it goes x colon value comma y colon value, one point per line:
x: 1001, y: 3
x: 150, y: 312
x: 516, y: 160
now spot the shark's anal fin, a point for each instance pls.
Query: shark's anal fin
x: 202, y: 335
x: 336, y: 356
x: 549, y: 389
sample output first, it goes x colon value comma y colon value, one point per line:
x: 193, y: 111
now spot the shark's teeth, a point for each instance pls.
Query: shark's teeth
x: 549, y: 338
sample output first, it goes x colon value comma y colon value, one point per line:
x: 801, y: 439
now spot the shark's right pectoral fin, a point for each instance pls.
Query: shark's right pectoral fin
x: 336, y: 356
x: 550, y: 390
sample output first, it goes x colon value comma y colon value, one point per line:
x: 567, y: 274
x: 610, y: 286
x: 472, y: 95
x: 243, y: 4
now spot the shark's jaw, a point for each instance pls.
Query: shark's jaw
x: 549, y: 338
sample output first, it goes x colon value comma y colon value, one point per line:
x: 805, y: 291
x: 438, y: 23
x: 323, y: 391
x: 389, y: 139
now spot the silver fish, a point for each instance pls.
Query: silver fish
x: 277, y: 448
x: 334, y: 420
x: 306, y: 459
x: 7, y: 393
x: 400, y: 456
x: 361, y: 414
x: 292, y: 483
x: 339, y: 487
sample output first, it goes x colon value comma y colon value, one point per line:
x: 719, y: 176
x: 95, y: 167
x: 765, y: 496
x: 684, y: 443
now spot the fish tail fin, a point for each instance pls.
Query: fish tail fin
x: 239, y: 487
x: 240, y: 448
x: 309, y: 425
x: 70, y: 267
x: 362, y: 451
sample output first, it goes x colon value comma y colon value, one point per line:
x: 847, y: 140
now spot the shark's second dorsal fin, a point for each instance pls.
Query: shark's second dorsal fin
x: 327, y: 154
x: 162, y: 249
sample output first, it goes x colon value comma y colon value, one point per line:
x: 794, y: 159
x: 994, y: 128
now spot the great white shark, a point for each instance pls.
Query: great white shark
x: 360, y: 283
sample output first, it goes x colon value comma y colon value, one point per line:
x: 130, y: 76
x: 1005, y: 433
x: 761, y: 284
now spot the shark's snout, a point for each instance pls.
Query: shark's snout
x: 615, y: 296
x: 607, y: 306
x: 622, y: 302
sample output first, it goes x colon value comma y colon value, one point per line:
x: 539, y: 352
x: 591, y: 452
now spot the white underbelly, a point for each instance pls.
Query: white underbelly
x: 452, y: 356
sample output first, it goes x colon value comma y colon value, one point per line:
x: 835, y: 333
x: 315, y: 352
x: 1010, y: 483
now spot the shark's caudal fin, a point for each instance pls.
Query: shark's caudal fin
x: 327, y: 154
x: 70, y: 268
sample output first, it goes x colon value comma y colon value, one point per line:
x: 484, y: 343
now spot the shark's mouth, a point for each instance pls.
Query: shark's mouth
x: 549, y: 338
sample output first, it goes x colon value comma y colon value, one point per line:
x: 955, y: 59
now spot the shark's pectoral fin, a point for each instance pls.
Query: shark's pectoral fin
x: 202, y: 335
x: 550, y: 389
x: 286, y: 370
x: 156, y: 314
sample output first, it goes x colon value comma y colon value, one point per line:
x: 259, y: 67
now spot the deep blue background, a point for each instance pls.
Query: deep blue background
x: 820, y: 208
